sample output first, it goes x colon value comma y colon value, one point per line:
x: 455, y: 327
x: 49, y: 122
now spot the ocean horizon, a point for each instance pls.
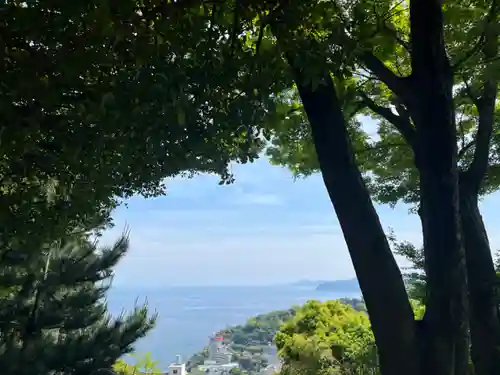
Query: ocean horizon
x: 187, y: 315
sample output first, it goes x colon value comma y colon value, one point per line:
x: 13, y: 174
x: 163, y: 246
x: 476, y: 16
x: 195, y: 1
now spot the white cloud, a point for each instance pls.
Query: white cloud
x: 237, y: 260
x: 225, y: 246
x: 260, y: 199
x: 264, y: 228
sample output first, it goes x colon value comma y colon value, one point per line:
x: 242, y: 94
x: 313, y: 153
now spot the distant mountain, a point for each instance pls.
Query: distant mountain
x: 340, y: 286
x: 307, y: 283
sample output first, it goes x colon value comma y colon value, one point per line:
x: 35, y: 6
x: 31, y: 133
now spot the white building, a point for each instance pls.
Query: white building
x: 177, y: 368
x: 215, y: 369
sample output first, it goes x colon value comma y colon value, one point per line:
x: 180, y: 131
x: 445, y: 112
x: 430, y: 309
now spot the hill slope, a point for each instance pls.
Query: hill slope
x: 250, y: 342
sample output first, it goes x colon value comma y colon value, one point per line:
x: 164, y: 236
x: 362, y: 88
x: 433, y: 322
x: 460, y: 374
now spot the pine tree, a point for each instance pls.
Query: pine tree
x: 53, y: 312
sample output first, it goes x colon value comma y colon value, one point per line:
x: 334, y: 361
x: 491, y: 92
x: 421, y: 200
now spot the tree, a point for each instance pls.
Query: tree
x: 330, y: 338
x: 443, y: 331
x: 309, y: 42
x: 415, y: 275
x: 390, y: 160
x: 262, y: 48
x: 337, y: 39
x: 144, y: 365
x: 327, y: 338
x: 96, y: 108
x: 53, y: 315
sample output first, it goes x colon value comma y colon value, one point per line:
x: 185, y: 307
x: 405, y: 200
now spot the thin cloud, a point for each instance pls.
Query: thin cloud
x: 265, y: 227
x: 260, y: 199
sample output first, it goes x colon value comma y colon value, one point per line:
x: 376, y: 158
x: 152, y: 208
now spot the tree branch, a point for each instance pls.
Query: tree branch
x: 429, y: 61
x: 235, y: 30
x: 402, y: 124
x: 378, y: 147
x: 403, y: 43
x: 478, y: 46
x: 486, y: 108
x: 465, y: 148
x: 398, y: 85
x: 469, y: 92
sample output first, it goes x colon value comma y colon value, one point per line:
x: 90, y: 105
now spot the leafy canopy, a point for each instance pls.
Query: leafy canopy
x: 324, y: 338
x: 143, y: 365
x: 103, y: 100
x: 381, y: 146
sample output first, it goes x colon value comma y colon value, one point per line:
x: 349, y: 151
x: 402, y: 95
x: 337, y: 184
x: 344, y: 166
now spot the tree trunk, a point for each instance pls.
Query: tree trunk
x: 378, y: 274
x: 444, y: 330
x: 484, y: 313
x: 445, y: 326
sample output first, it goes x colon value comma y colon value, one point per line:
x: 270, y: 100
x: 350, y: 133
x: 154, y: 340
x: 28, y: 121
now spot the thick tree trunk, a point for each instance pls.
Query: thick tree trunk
x: 380, y: 279
x: 445, y: 321
x: 484, y: 312
x: 445, y: 328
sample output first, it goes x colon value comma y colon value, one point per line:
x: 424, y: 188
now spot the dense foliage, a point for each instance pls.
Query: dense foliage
x: 415, y: 273
x: 96, y: 108
x: 326, y: 338
x: 326, y: 60
x: 403, y: 61
x: 104, y: 100
x: 53, y: 314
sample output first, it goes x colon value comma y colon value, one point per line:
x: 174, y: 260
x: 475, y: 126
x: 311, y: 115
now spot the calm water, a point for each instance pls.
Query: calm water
x: 188, y: 315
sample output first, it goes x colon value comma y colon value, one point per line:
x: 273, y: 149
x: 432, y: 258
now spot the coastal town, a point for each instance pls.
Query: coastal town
x: 220, y: 361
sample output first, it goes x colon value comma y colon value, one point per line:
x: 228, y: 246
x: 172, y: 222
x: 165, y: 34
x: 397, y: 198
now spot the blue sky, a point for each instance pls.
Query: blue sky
x: 266, y: 228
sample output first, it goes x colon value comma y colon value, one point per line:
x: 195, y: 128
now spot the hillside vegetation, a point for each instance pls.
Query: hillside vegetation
x: 250, y: 342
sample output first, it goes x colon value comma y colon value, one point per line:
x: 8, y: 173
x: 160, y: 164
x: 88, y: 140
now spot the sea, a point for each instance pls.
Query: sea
x: 187, y: 316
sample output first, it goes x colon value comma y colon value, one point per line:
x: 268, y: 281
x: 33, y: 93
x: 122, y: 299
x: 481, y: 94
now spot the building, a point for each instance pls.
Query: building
x: 215, y: 368
x: 177, y: 368
x: 219, y: 358
x: 218, y: 351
